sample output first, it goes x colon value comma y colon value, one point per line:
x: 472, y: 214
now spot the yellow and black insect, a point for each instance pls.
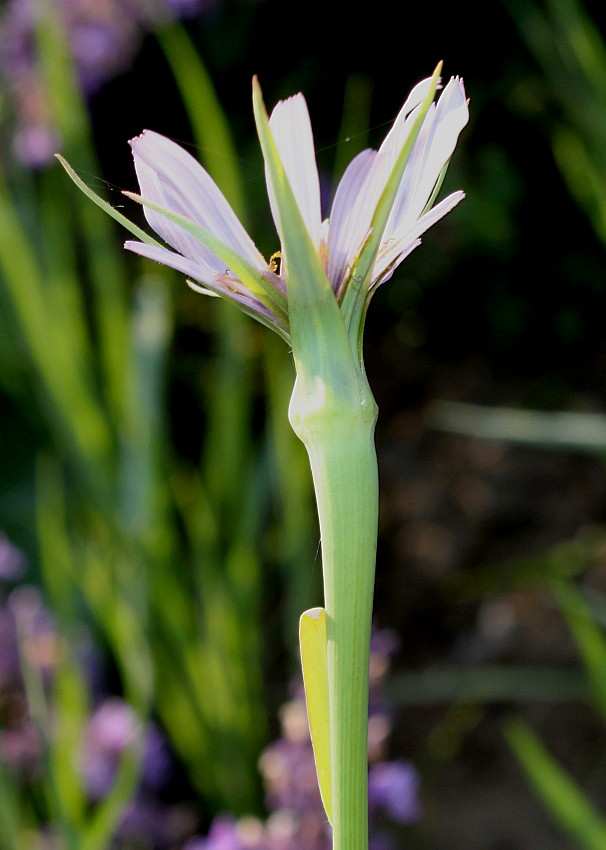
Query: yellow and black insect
x: 275, y: 262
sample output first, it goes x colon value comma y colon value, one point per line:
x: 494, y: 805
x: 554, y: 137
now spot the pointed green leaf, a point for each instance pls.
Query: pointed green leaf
x: 118, y: 216
x: 562, y: 797
x: 312, y: 638
x: 588, y: 637
x: 319, y: 341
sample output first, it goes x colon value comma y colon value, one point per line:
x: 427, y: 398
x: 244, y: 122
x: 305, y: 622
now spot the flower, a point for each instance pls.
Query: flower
x: 394, y: 787
x: 193, y: 217
x: 340, y: 238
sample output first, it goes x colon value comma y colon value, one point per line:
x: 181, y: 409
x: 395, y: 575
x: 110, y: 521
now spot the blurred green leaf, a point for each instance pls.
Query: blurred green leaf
x: 588, y: 636
x: 565, y: 560
x: 563, y: 799
x: 486, y: 683
x: 565, y: 430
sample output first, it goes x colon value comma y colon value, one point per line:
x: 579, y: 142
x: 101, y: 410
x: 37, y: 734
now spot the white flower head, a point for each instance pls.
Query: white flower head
x: 208, y: 243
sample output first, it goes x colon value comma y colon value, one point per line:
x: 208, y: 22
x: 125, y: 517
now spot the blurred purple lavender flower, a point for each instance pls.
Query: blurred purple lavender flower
x: 104, y: 37
x: 28, y: 633
x: 35, y: 629
x: 13, y: 564
x: 393, y: 787
x: 224, y: 834
x: 113, y: 727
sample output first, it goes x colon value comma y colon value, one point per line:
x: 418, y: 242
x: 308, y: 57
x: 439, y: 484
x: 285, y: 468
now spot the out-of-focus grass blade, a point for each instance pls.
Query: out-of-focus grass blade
x: 141, y: 497
x: 312, y: 637
x: 563, y: 799
x: 63, y: 287
x: 583, y: 41
x: 74, y: 410
x: 561, y: 430
x: 71, y: 703
x: 102, y: 822
x: 54, y: 55
x: 10, y: 812
x: 64, y: 807
x: 353, y: 132
x: 564, y: 560
x: 588, y: 636
x: 205, y: 114
x: 69, y: 691
x: 570, y: 51
x: 71, y: 710
x: 67, y: 110
x: 486, y: 683
x: 221, y: 725
x: 585, y: 176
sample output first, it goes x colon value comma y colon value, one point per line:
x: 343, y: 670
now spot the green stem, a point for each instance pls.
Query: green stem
x: 340, y: 442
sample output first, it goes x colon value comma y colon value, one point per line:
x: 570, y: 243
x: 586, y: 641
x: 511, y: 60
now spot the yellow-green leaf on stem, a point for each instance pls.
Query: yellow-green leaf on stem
x: 312, y: 638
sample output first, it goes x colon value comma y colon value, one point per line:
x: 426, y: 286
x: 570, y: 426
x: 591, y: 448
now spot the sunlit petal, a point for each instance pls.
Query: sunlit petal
x: 291, y: 129
x: 350, y: 216
x: 221, y: 283
x: 402, y: 242
x: 199, y: 271
x: 172, y: 178
x: 394, y: 140
x: 432, y: 150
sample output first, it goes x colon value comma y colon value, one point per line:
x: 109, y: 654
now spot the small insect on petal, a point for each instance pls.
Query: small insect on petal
x: 275, y: 262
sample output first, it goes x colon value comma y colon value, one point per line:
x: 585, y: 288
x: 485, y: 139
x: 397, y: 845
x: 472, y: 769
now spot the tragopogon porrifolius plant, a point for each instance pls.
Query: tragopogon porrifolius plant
x: 315, y: 296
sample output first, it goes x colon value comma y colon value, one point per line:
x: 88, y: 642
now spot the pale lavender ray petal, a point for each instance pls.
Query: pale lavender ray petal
x: 433, y: 149
x: 291, y: 129
x: 390, y: 150
x: 396, y: 137
x: 191, y: 268
x: 350, y: 216
x: 436, y: 213
x: 398, y: 246
x: 430, y: 155
x: 177, y: 237
x: 403, y: 211
x: 388, y: 270
x: 452, y: 114
x: 151, y: 189
x: 165, y: 168
x: 222, y: 283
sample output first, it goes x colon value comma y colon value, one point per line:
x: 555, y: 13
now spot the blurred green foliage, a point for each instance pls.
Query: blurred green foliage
x: 163, y: 556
